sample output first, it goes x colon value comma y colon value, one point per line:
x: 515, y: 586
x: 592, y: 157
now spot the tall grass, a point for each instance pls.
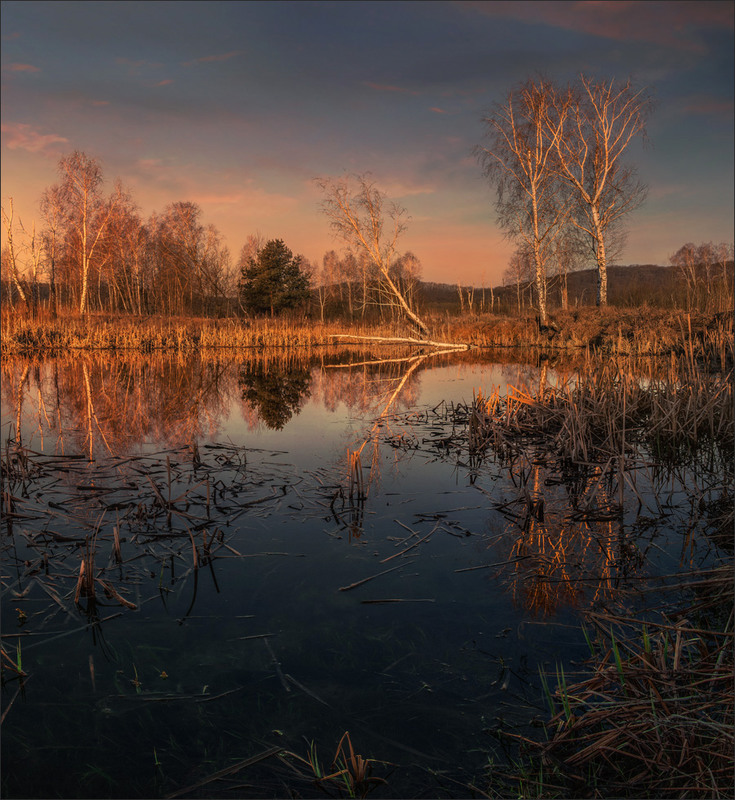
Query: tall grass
x: 22, y: 334
x: 642, y: 331
x: 604, y: 408
x: 655, y: 716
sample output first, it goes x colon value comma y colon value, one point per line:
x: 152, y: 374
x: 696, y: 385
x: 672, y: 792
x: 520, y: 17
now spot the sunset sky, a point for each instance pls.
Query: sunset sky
x: 238, y: 106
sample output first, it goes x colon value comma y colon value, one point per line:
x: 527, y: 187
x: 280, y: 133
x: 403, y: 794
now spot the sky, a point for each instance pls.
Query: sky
x: 239, y: 106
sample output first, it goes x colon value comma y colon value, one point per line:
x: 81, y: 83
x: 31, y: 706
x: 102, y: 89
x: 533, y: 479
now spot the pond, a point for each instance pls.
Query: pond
x: 213, y: 566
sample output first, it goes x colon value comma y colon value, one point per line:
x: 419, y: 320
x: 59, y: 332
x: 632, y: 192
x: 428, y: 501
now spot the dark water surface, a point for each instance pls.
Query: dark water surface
x: 237, y: 620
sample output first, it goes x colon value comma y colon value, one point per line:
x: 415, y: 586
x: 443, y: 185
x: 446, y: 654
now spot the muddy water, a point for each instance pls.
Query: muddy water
x: 287, y: 548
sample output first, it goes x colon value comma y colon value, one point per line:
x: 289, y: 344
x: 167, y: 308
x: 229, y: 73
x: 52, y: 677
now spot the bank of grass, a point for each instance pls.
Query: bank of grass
x: 641, y: 331
x: 22, y: 334
x: 636, y: 331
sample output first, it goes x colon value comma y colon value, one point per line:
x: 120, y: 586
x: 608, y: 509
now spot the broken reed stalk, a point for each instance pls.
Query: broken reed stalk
x: 357, y: 483
x: 116, y: 551
x: 85, y: 581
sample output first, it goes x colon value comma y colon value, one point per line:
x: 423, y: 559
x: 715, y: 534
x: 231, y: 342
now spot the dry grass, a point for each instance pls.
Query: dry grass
x: 638, y: 331
x: 22, y: 334
x: 642, y: 331
x: 604, y: 409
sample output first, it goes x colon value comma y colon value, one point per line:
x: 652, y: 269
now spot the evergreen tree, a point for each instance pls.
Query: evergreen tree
x: 273, y: 279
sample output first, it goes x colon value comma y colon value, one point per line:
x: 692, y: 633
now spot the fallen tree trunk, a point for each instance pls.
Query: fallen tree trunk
x: 400, y: 340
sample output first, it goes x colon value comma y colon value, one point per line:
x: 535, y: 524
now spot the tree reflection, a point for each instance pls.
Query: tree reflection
x: 94, y: 404
x: 100, y: 404
x: 274, y: 394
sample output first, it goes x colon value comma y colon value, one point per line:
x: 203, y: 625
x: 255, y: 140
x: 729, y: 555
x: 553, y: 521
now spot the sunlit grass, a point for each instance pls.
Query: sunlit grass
x: 642, y: 331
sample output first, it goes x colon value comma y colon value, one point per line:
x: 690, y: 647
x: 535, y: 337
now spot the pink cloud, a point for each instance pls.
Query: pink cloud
x: 209, y: 59
x: 15, y: 67
x: 437, y: 110
x: 164, y: 83
x: 382, y: 87
x: 23, y: 137
x: 652, y: 21
x: 100, y: 102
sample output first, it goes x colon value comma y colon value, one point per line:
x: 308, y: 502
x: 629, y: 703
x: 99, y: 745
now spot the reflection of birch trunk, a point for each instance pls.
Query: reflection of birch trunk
x: 542, y: 382
x: 19, y: 401
x: 354, y: 456
x: 403, y: 340
x: 90, y: 411
x: 60, y: 427
x: 92, y: 416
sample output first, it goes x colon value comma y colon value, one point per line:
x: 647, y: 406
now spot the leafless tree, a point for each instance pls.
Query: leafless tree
x: 12, y: 255
x: 350, y: 271
x: 253, y: 244
x: 363, y: 217
x: 592, y: 124
x: 35, y: 253
x: 52, y: 213
x: 406, y: 275
x: 86, y: 214
x: 519, y: 272
x: 567, y: 255
x: 723, y: 253
x: 328, y: 279
x: 519, y: 161
x: 696, y: 265
x: 192, y: 265
x: 687, y: 261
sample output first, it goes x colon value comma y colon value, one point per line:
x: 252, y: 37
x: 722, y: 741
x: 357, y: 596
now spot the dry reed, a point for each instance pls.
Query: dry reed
x: 641, y: 331
x: 601, y: 411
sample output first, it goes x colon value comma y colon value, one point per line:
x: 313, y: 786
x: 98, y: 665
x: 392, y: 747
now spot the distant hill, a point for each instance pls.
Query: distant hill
x: 634, y: 284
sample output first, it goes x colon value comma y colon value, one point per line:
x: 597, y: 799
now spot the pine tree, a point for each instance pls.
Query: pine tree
x: 273, y: 280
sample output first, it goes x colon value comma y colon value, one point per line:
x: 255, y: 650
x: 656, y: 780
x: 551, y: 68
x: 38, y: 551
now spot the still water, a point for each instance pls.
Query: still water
x: 284, y: 549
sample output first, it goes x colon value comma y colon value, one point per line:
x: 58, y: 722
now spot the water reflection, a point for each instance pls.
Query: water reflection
x: 274, y: 395
x: 104, y: 403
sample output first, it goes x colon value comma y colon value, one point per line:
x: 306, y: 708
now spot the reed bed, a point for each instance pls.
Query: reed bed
x: 642, y: 331
x: 22, y: 334
x: 606, y: 410
x: 630, y: 332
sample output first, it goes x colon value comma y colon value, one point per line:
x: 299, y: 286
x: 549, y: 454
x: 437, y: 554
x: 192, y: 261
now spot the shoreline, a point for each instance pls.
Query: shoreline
x: 641, y: 331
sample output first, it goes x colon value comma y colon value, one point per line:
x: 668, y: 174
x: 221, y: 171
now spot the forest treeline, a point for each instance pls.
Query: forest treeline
x: 554, y: 154
x: 96, y: 253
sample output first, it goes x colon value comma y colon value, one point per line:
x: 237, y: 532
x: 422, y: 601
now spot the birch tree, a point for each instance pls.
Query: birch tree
x: 52, y: 213
x: 86, y: 214
x: 519, y: 161
x: 362, y: 215
x: 9, y: 224
x: 592, y: 124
